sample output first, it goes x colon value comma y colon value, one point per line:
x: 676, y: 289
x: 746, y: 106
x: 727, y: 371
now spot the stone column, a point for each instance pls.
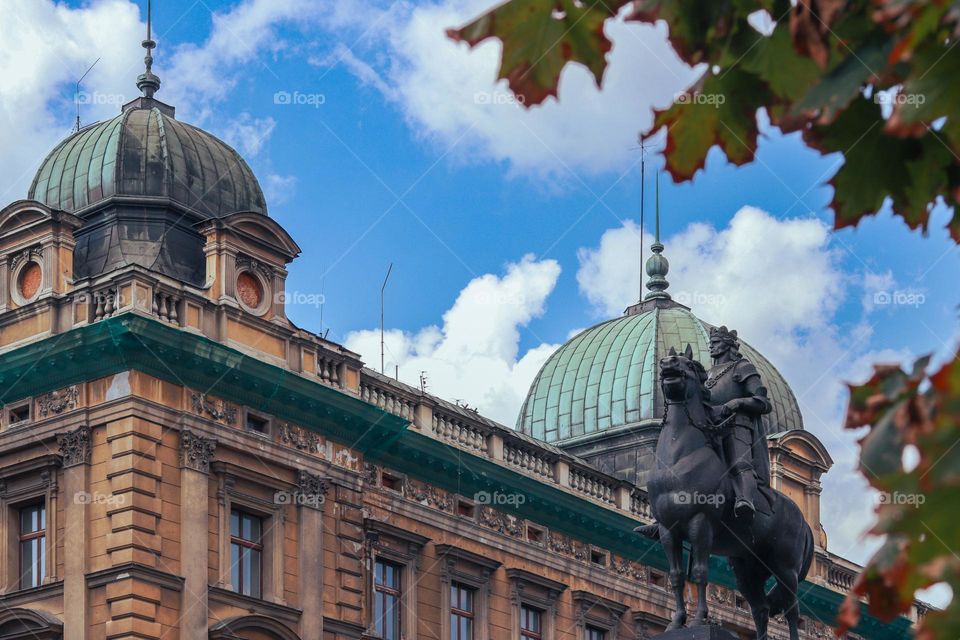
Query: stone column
x: 311, y: 497
x: 195, y: 455
x: 75, y: 448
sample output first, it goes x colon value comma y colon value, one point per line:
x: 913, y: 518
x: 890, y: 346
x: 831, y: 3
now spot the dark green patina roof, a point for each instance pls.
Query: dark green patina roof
x: 144, y: 151
x: 606, y: 377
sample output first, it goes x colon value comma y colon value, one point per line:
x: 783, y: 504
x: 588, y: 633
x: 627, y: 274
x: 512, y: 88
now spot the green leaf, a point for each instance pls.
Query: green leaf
x: 911, y: 172
x: 926, y: 96
x: 721, y: 110
x: 540, y: 38
x: 774, y: 59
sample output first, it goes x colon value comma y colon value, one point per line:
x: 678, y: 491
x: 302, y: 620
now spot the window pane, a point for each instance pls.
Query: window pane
x: 235, y: 523
x: 26, y: 565
x: 254, y: 562
x: 235, y: 568
x: 466, y: 629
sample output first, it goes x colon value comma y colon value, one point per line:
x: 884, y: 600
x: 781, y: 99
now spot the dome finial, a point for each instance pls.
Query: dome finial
x: 657, y: 264
x: 147, y: 82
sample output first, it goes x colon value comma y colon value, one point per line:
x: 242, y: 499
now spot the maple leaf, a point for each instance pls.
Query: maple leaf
x: 540, y: 38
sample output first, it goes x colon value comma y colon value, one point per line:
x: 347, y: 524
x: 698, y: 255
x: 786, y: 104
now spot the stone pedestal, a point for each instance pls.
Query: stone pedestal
x: 703, y: 632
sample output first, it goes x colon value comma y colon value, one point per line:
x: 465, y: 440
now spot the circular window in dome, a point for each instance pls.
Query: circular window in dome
x: 251, y: 292
x: 28, y: 278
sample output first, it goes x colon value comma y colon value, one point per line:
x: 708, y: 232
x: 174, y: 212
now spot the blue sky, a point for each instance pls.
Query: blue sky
x: 402, y: 149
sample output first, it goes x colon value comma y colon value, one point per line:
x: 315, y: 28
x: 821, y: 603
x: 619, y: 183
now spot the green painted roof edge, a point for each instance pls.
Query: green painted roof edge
x: 132, y: 342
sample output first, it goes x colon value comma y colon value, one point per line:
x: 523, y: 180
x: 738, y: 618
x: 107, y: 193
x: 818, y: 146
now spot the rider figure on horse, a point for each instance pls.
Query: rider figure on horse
x: 737, y: 392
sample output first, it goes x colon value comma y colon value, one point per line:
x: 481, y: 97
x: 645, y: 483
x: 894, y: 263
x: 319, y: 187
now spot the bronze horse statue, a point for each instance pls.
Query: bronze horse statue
x: 692, y: 500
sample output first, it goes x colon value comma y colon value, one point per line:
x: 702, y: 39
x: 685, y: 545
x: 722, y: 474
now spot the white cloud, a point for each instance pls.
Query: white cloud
x: 450, y: 94
x: 247, y: 134
x: 278, y: 189
x: 46, y: 48
x: 474, y: 356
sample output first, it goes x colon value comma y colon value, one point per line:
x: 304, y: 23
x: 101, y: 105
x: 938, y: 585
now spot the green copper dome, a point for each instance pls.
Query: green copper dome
x: 606, y: 378
x: 145, y: 152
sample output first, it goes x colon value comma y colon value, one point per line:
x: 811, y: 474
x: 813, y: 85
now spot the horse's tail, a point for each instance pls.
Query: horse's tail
x: 780, y: 597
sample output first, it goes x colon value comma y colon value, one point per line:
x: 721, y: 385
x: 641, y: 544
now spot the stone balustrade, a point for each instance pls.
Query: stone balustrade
x: 389, y: 400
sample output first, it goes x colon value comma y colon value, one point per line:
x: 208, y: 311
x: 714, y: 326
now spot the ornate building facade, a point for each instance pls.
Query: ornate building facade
x: 179, y: 461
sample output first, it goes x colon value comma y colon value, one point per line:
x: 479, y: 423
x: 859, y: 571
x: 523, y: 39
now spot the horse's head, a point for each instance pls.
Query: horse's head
x: 682, y: 377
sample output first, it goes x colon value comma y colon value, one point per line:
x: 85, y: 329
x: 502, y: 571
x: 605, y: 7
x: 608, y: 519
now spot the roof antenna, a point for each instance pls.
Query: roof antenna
x: 643, y: 157
x: 147, y: 82
x: 382, y: 341
x: 77, y: 94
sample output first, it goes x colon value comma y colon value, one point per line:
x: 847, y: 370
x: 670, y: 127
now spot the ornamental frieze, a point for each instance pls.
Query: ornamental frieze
x: 629, y: 569
x: 196, y: 452
x: 501, y: 522
x: 75, y: 446
x: 427, y: 495
x: 218, y: 410
x: 56, y: 402
x: 301, y: 439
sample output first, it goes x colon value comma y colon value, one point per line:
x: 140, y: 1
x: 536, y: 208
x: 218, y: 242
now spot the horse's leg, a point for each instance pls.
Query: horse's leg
x: 700, y: 532
x: 673, y: 548
x: 751, y: 577
x: 785, y: 595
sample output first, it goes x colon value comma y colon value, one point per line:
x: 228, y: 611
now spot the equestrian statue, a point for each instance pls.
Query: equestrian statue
x: 711, y: 487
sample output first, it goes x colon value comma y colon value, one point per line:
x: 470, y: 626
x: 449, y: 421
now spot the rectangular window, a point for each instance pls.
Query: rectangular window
x: 256, y: 423
x: 246, y: 553
x: 531, y: 623
x: 386, y: 591
x: 19, y: 414
x: 461, y: 612
x: 33, y: 545
x: 596, y: 634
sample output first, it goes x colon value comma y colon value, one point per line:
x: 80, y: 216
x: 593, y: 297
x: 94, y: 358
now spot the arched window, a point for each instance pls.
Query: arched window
x: 253, y: 627
x: 27, y: 624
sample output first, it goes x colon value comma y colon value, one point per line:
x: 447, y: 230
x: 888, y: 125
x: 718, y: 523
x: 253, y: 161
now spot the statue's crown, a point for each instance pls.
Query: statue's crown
x: 727, y: 335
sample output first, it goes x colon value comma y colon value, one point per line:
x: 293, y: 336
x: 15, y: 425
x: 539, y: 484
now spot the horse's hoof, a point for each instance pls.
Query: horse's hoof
x: 676, y: 623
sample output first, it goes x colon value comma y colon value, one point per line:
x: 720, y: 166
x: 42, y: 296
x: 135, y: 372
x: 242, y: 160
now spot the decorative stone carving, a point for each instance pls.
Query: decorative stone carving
x: 196, y: 452
x: 218, y: 410
x: 75, y: 446
x: 427, y: 495
x: 301, y: 439
x: 370, y: 474
x: 252, y: 264
x: 629, y: 569
x: 34, y: 253
x: 311, y: 489
x: 56, y: 402
x: 501, y: 522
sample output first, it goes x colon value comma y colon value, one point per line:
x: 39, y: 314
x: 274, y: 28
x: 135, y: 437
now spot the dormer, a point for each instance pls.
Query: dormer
x: 246, y: 258
x: 36, y: 253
